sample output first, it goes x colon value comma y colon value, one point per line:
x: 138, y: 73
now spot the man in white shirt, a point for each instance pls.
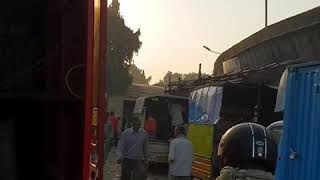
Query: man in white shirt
x: 180, y: 156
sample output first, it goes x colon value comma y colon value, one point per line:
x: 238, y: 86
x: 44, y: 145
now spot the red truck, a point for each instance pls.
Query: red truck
x: 52, y: 89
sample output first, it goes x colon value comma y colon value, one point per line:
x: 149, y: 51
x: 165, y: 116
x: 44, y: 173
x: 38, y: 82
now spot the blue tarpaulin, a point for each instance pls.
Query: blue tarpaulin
x: 205, y: 105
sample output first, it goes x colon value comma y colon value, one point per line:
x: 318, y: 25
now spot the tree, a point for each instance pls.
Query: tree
x: 190, y: 76
x: 175, y: 77
x: 165, y: 81
x: 122, y: 44
x: 138, y: 75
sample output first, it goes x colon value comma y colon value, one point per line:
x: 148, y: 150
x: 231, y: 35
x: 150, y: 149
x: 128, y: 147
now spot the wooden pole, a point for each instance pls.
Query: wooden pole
x: 199, y: 74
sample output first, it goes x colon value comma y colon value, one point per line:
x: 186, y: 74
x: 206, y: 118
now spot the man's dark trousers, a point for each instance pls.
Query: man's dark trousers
x: 133, y: 170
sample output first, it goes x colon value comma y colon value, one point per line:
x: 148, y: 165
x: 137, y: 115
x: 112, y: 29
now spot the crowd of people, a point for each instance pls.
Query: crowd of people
x: 132, y: 148
x: 246, y: 151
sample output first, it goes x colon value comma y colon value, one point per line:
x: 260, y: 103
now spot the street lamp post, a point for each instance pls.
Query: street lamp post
x: 266, y: 13
x: 215, y: 52
x: 208, y: 49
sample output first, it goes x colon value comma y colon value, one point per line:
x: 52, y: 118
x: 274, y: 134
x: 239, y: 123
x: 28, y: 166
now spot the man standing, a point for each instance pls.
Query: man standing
x: 114, y: 123
x: 180, y: 156
x: 132, y: 152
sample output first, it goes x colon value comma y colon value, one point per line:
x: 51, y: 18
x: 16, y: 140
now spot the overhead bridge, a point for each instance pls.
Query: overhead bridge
x: 294, y: 39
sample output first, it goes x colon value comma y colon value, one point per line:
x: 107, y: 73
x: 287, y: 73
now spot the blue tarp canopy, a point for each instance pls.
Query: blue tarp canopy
x: 205, y: 105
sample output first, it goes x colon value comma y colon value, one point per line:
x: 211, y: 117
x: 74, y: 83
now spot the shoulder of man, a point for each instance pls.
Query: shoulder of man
x: 127, y: 131
x: 177, y: 140
x: 190, y: 143
x: 228, y: 173
x: 256, y: 174
x: 188, y: 140
x: 184, y: 139
x: 141, y: 130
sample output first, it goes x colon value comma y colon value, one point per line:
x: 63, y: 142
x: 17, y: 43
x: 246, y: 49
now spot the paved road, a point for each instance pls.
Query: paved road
x: 112, y: 170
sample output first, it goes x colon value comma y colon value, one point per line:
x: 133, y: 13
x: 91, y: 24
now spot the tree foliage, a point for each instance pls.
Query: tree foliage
x: 175, y: 77
x: 122, y: 44
x: 138, y: 75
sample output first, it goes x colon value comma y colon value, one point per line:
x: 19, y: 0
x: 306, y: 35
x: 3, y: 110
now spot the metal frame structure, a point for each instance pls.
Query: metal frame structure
x: 95, y: 88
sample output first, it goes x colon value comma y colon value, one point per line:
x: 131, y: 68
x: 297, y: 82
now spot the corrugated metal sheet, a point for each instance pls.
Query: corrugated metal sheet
x: 299, y: 152
x: 138, y: 90
x: 201, y: 168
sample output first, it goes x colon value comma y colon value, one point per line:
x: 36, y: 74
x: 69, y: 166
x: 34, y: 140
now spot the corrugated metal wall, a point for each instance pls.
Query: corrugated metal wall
x: 301, y: 138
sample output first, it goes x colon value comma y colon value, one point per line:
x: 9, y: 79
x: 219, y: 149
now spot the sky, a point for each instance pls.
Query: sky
x: 174, y: 31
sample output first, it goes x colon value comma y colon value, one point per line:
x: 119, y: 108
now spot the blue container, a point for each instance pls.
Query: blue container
x: 300, y: 146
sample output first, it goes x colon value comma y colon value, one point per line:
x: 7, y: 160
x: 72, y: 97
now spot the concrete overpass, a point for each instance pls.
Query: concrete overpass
x: 294, y: 39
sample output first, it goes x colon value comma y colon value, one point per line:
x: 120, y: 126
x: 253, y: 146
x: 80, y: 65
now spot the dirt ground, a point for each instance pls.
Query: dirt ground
x: 112, y: 170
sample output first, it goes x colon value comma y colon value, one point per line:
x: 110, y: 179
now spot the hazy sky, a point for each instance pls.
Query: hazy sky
x: 174, y: 31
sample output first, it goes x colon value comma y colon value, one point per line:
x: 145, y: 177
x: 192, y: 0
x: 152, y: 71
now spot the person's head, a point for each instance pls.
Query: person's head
x: 107, y: 115
x: 135, y: 124
x: 248, y: 146
x: 180, y: 130
x: 111, y: 114
x: 150, y: 116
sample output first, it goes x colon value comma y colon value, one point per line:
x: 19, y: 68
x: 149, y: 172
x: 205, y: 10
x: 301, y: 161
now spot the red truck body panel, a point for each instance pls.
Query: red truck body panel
x: 47, y: 95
